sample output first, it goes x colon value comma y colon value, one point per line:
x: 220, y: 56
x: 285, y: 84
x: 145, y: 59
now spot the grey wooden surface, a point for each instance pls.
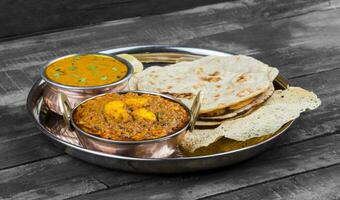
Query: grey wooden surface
x: 26, y: 17
x: 301, y: 38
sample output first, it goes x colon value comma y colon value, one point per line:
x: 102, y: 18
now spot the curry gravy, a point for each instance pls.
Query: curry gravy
x: 86, y: 70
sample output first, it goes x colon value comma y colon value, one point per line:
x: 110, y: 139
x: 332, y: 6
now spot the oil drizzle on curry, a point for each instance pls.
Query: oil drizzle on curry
x: 86, y: 70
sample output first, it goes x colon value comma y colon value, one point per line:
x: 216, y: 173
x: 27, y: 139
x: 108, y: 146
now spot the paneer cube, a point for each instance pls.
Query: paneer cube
x: 136, y: 102
x: 116, y: 110
x: 143, y: 113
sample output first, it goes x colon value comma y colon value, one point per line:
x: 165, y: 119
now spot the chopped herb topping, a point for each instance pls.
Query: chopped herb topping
x: 82, y: 80
x: 56, y: 74
x: 158, y: 116
x: 92, y: 67
x: 103, y: 78
x: 86, y: 70
x: 72, y: 67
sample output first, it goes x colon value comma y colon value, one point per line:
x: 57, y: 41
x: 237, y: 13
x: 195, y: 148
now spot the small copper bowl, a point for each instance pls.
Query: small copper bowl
x: 156, y: 148
x: 76, y: 94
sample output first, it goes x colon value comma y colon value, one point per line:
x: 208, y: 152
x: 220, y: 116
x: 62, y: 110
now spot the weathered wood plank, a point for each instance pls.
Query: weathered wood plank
x: 55, y: 177
x: 323, y: 121
x: 59, y: 178
x: 163, y: 29
x: 25, y: 150
x: 190, y: 28
x: 10, y: 116
x: 317, y: 185
x: 27, y: 17
x: 305, y: 45
x: 274, y: 164
x: 297, y: 45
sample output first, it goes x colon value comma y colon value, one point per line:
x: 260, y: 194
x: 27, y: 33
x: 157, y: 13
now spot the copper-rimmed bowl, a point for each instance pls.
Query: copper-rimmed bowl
x: 77, y: 94
x: 155, y: 148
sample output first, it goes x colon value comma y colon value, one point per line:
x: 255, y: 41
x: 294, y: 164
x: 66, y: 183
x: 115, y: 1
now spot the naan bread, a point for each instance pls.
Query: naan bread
x: 282, y: 107
x: 224, y: 81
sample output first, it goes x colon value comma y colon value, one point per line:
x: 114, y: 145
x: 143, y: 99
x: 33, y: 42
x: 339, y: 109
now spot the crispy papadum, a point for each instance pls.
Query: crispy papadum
x: 282, y: 107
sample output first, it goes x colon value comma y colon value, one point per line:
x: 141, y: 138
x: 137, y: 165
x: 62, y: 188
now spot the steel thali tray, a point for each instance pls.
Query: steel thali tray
x: 52, y: 124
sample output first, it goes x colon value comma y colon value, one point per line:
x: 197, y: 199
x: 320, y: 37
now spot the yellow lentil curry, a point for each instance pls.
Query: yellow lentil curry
x: 86, y: 70
x: 130, y: 116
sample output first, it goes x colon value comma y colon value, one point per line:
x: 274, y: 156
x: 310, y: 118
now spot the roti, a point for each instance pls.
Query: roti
x: 282, y: 107
x: 132, y: 84
x: 224, y: 81
x: 232, y: 113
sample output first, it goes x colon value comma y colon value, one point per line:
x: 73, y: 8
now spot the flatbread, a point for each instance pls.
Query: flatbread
x: 259, y: 100
x: 224, y: 81
x: 132, y: 84
x: 282, y: 107
x: 207, y: 124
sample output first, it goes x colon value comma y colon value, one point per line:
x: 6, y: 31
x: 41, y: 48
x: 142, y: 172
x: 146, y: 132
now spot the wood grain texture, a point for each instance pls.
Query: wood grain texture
x: 31, y: 16
x: 20, y: 58
x: 299, y: 37
x: 296, y: 45
x: 189, y: 28
x: 59, y: 178
x: 10, y: 116
x: 25, y: 150
x: 317, y: 185
x: 274, y: 164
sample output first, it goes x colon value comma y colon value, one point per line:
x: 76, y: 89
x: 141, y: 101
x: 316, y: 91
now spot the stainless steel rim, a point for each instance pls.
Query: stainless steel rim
x: 69, y: 87
x: 147, y: 48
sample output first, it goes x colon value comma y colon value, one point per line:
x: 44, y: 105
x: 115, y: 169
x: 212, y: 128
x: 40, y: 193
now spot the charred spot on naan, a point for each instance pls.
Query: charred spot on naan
x: 242, y: 78
x: 210, y: 78
x: 181, y: 95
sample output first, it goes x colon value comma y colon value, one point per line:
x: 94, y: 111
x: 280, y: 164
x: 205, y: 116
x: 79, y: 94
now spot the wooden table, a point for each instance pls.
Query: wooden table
x: 301, y: 38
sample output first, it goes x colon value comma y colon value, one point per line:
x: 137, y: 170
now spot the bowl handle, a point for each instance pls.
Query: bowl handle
x: 195, y: 109
x: 66, y: 110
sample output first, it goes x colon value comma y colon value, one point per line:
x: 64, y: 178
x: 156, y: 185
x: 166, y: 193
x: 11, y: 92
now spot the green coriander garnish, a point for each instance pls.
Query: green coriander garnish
x: 72, y: 67
x: 56, y: 74
x: 158, y: 116
x: 104, y: 78
x: 82, y: 80
x: 77, y: 57
x: 92, y: 67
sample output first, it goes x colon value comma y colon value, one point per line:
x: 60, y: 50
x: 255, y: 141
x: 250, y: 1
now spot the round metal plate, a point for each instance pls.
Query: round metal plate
x: 52, y: 125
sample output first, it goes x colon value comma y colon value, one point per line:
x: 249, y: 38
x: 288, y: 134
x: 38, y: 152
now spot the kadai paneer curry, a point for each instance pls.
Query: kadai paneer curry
x: 86, y: 70
x: 130, y: 116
